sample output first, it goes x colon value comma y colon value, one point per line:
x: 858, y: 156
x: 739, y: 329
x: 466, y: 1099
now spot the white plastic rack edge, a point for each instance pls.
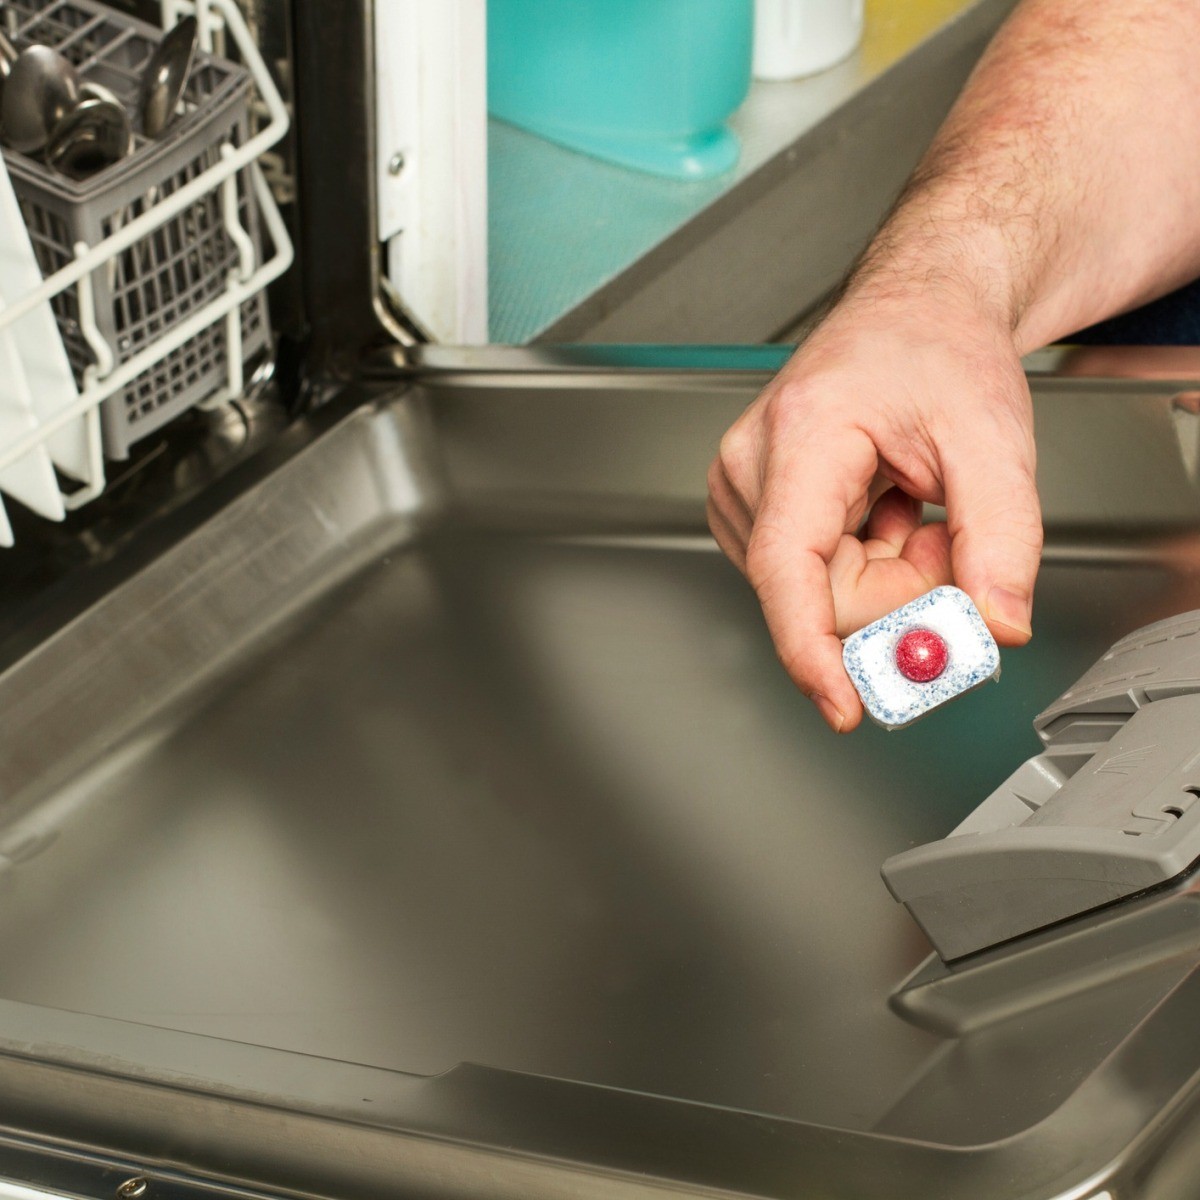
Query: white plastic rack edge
x: 103, y: 379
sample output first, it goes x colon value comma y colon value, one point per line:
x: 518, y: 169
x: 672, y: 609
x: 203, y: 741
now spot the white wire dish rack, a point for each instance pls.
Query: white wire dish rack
x: 137, y: 293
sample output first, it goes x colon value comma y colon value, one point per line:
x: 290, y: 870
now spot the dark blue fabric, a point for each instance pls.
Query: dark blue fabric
x: 1171, y: 320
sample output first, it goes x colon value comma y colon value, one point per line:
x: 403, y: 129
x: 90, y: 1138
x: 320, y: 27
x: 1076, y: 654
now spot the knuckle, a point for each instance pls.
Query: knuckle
x: 712, y: 517
x: 731, y: 449
x: 739, y: 447
x: 1019, y: 515
x: 792, y: 404
x: 716, y: 478
x: 1028, y: 533
x: 1021, y: 545
x: 733, y: 468
x: 795, y: 659
x: 791, y: 660
x: 1015, y: 534
x: 764, y: 556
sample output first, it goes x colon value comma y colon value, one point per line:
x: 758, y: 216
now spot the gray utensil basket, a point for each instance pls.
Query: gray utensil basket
x: 148, y: 289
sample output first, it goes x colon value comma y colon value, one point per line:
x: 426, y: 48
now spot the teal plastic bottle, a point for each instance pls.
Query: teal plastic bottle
x: 644, y: 83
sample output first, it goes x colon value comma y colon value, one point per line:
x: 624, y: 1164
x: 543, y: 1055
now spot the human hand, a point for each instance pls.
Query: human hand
x: 892, y: 403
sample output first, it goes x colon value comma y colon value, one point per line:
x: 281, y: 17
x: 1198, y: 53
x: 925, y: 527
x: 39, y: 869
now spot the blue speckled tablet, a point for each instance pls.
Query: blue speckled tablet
x: 894, y: 700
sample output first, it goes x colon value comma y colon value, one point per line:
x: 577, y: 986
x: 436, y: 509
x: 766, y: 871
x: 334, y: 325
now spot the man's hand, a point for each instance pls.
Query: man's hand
x: 891, y: 404
x: 1063, y: 188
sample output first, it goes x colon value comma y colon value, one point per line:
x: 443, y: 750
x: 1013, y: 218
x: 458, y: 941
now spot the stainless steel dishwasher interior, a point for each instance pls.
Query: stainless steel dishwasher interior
x: 454, y: 741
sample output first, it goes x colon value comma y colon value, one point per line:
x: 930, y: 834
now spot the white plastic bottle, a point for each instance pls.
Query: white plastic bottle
x: 800, y: 37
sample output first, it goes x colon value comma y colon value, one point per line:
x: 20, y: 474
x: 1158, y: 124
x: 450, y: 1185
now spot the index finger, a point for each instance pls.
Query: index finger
x: 811, y: 494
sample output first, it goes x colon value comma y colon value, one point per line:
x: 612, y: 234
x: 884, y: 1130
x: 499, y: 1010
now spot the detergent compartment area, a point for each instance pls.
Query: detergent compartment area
x: 1106, y: 812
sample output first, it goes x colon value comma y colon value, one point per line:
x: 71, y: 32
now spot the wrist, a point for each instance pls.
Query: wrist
x: 923, y: 299
x: 942, y: 267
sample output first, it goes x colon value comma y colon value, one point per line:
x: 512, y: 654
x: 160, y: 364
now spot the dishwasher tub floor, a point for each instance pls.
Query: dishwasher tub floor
x: 540, y: 800
x: 543, y: 805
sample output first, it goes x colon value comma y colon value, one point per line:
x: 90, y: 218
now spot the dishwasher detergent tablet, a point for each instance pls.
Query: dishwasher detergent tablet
x: 920, y: 656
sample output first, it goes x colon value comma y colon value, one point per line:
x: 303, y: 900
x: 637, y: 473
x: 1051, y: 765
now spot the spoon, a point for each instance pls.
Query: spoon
x: 166, y: 75
x: 8, y: 56
x: 89, y: 88
x: 94, y: 135
x: 42, y: 87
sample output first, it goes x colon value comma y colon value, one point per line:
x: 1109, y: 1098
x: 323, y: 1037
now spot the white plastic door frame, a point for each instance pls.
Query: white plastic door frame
x: 431, y: 104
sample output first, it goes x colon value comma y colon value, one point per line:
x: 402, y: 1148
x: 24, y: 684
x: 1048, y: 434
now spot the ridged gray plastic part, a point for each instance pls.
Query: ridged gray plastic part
x: 1105, y: 812
x: 1155, y: 663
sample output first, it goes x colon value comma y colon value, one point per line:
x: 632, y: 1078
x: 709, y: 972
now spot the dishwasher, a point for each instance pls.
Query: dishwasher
x: 400, y: 796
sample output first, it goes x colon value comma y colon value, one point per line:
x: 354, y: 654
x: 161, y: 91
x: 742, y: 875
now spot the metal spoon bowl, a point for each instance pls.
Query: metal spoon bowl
x: 94, y: 135
x: 42, y: 87
x: 166, y: 75
x: 90, y: 89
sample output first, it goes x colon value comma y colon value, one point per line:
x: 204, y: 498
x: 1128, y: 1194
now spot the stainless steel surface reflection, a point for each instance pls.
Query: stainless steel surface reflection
x: 454, y: 741
x: 542, y: 804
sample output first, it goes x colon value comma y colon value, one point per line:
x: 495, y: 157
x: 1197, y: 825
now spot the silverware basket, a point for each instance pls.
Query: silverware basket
x: 151, y: 287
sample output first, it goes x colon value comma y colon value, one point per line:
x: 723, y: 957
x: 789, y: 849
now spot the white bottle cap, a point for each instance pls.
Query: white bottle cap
x: 799, y: 37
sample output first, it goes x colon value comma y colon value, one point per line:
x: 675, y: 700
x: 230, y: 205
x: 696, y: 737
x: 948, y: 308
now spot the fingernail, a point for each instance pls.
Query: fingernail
x: 830, y: 711
x: 1009, y: 608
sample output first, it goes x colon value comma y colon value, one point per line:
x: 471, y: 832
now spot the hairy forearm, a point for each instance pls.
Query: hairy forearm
x: 1065, y: 184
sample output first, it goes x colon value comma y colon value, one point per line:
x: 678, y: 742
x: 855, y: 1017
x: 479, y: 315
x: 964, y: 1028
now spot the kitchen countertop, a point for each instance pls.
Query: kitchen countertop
x: 582, y: 249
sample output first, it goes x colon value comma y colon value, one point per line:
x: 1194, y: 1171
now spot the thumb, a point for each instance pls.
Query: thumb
x: 995, y: 524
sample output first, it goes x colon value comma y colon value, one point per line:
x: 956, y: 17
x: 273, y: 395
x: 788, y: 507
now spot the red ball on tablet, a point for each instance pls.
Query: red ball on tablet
x: 921, y: 655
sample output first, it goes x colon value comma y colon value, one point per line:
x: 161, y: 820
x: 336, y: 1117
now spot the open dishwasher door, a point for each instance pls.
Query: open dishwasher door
x: 431, y: 817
